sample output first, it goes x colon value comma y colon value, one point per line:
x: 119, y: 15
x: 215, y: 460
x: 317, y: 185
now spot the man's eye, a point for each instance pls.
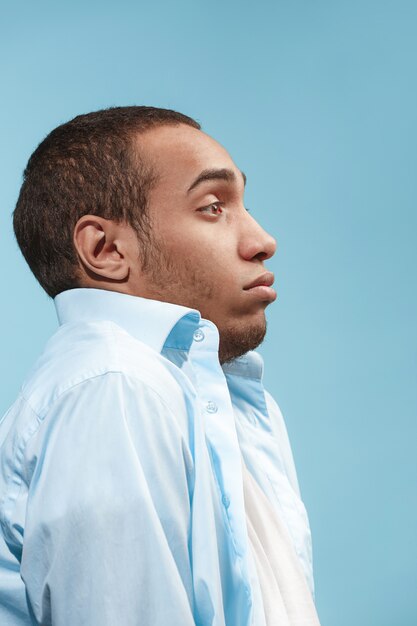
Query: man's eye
x: 216, y: 207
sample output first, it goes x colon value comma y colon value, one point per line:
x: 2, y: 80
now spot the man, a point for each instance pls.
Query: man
x: 146, y: 475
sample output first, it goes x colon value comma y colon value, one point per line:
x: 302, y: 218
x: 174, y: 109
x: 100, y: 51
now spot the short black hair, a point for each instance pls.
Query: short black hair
x: 87, y: 166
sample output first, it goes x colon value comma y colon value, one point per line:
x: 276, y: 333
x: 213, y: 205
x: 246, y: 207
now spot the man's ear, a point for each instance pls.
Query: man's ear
x: 101, y: 247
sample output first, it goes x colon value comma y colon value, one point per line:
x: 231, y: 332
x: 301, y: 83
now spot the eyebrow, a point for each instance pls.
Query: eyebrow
x: 216, y: 174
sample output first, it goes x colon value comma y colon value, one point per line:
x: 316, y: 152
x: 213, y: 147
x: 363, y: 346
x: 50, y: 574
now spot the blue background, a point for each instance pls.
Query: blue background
x: 317, y: 102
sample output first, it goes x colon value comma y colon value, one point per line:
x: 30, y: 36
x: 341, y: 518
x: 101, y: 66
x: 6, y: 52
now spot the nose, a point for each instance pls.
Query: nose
x: 255, y: 242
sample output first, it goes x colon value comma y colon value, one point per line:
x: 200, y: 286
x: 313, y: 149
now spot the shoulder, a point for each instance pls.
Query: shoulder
x: 96, y: 450
x: 95, y: 424
x: 78, y: 356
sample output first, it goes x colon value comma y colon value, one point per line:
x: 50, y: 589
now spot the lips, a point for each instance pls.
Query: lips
x: 265, y: 279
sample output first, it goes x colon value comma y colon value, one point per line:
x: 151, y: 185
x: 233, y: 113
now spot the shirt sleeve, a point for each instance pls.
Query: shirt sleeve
x: 108, y: 510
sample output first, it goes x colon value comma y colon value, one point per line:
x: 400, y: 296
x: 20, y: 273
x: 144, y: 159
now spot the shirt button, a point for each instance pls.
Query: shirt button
x: 198, y: 335
x: 211, y: 407
x: 226, y: 500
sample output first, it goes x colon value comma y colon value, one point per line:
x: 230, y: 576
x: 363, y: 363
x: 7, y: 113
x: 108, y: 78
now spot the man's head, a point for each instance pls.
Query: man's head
x: 140, y: 200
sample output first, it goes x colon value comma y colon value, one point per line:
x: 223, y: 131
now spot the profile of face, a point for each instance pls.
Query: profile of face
x: 206, y: 249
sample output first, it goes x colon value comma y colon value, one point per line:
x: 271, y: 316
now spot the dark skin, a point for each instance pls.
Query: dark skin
x: 205, y: 248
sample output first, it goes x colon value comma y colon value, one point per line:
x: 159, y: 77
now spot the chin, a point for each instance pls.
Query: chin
x: 237, y: 339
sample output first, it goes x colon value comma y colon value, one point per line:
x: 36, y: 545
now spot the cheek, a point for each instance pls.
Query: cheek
x: 178, y: 239
x: 192, y: 252
x: 201, y: 250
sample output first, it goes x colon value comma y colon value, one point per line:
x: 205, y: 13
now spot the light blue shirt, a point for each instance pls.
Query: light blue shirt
x: 121, y: 498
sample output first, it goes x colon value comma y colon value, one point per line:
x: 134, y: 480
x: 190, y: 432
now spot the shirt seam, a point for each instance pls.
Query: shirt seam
x: 41, y: 413
x: 9, y: 499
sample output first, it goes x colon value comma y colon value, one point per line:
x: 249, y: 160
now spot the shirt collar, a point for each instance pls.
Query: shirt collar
x: 150, y: 321
x: 250, y: 365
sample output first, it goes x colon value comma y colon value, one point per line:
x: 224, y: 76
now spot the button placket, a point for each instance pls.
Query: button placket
x: 221, y: 435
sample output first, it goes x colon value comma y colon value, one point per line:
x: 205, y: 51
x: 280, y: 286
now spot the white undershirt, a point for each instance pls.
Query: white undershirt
x: 286, y: 596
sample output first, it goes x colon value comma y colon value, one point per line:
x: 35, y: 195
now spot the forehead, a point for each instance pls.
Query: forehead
x: 179, y: 153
